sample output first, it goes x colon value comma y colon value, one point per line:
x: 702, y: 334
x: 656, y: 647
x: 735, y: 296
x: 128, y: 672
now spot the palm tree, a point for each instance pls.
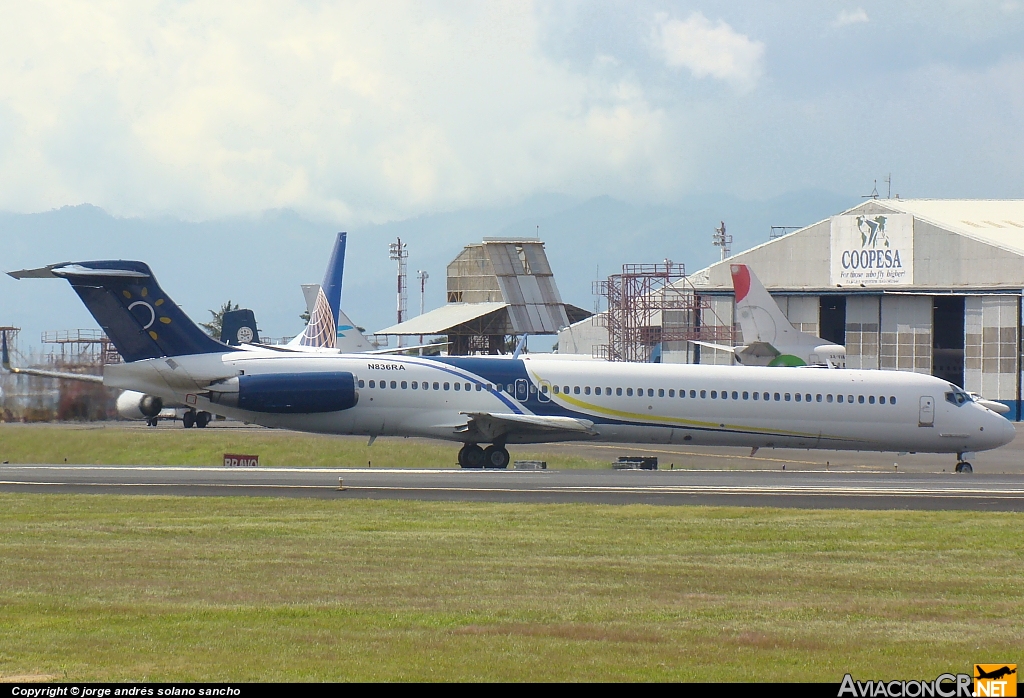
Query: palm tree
x: 214, y: 326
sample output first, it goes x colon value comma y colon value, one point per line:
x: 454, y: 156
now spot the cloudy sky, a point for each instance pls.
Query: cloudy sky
x: 357, y: 112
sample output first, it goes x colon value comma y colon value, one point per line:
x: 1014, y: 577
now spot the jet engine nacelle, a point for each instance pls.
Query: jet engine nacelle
x: 288, y: 393
x: 134, y: 405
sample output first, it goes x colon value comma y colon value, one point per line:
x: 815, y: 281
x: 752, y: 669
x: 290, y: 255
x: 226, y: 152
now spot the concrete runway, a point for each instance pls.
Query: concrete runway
x: 854, y: 490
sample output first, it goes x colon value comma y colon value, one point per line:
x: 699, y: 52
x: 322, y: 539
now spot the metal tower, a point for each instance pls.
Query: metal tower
x: 720, y: 239
x: 399, y: 252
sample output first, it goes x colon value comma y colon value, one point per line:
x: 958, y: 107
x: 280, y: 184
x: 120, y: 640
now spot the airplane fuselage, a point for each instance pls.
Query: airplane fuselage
x: 625, y: 402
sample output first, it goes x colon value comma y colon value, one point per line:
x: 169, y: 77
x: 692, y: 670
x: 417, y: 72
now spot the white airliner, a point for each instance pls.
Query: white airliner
x: 500, y: 401
x: 771, y: 339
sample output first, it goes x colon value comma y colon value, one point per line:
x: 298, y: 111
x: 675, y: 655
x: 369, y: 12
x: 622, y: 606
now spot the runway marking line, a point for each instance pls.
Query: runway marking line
x: 696, y: 490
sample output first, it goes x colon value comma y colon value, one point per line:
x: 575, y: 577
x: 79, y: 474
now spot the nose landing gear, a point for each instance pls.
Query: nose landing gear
x: 962, y: 466
x: 494, y: 456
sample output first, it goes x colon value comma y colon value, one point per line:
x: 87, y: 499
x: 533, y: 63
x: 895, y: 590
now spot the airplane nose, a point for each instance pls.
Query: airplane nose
x: 998, y: 430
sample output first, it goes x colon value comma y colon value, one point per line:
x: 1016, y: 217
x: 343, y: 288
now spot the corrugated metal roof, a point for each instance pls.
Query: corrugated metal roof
x: 442, y: 319
x: 995, y: 221
x: 528, y: 285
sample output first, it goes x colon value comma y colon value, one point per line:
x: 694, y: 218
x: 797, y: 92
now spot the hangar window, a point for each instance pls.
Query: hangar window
x: 828, y: 398
x: 661, y: 392
x: 373, y: 384
x: 586, y: 390
x: 860, y: 399
x: 618, y: 391
x: 436, y: 386
x: 405, y: 385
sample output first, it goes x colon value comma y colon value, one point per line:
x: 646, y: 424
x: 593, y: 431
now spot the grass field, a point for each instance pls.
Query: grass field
x: 114, y: 444
x: 238, y: 589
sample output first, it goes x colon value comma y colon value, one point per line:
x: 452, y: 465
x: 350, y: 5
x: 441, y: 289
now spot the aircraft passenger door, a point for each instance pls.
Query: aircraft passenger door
x: 522, y: 389
x: 926, y: 416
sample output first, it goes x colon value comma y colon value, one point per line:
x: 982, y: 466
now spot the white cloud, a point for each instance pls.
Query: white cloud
x: 354, y: 111
x: 847, y: 17
x: 709, y: 50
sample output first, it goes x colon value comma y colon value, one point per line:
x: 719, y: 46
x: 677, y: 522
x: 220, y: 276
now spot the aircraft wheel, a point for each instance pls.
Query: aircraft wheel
x: 471, y: 456
x: 188, y: 419
x: 152, y: 421
x: 496, y: 457
x: 202, y: 419
x: 964, y: 468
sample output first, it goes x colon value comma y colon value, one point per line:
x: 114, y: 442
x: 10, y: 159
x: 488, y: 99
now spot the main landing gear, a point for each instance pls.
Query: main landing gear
x: 962, y: 466
x: 494, y: 456
x: 195, y: 419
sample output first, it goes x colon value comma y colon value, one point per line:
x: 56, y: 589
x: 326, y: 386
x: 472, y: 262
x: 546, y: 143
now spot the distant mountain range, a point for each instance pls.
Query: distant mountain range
x: 260, y: 261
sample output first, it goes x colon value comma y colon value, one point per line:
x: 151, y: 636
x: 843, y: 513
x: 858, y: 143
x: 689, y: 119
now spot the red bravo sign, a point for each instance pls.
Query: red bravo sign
x: 235, y: 460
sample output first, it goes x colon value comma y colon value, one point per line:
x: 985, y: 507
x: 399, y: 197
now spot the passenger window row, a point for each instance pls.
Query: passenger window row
x: 424, y: 385
x: 638, y: 392
x: 726, y: 394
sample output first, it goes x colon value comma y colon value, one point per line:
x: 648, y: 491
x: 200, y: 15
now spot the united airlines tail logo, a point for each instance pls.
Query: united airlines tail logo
x: 147, y: 313
x: 320, y: 331
x: 872, y: 231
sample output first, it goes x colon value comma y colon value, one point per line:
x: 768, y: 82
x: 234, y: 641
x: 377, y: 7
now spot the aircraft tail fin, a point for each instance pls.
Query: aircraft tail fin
x: 125, y: 299
x: 760, y: 318
x: 239, y: 327
x: 322, y: 329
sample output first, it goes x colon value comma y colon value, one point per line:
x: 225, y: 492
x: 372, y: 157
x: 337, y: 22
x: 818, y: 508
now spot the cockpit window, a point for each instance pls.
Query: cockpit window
x: 957, y: 397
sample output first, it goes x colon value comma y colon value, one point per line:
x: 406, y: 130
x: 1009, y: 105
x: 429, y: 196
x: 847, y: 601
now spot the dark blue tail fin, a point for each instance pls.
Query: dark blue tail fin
x: 239, y: 327
x: 138, y: 317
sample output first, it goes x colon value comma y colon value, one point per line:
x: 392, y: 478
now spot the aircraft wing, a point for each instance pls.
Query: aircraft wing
x: 488, y: 426
x: 5, y: 361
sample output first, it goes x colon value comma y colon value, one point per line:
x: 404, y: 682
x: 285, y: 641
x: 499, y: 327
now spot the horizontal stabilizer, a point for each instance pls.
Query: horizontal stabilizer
x: 720, y: 347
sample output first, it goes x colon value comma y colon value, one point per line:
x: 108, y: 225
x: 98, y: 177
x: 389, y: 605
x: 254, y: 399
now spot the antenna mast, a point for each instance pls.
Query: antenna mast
x: 399, y: 252
x: 422, y: 276
x: 720, y: 239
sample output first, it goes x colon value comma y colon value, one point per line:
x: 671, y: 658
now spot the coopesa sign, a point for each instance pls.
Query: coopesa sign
x: 873, y: 250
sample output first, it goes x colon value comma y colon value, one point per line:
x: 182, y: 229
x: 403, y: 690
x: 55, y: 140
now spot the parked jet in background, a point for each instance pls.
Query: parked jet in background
x: 771, y: 340
x: 500, y: 401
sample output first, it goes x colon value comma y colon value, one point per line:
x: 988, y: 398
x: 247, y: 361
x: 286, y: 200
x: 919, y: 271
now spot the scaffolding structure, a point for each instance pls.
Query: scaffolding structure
x: 79, y: 349
x: 655, y: 304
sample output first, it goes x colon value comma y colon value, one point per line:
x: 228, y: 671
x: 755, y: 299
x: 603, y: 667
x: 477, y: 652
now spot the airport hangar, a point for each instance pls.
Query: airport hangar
x: 926, y: 285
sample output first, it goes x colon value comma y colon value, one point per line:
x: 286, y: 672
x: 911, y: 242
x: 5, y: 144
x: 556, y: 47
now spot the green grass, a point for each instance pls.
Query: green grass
x: 135, y: 445
x: 250, y: 589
